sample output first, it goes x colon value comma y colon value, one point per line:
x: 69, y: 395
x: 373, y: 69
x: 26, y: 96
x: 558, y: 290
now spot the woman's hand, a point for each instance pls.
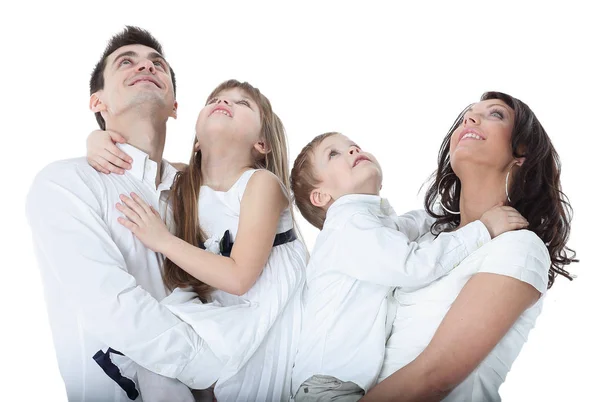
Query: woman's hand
x: 104, y: 156
x: 144, y: 222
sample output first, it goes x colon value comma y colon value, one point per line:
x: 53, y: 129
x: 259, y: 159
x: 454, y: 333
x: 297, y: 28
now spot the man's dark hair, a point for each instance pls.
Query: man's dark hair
x: 129, y: 36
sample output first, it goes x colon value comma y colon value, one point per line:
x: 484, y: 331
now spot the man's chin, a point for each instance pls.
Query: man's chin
x: 150, y: 100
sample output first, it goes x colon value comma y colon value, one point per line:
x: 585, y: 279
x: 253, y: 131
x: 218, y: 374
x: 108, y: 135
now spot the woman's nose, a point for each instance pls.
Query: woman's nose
x: 471, y: 118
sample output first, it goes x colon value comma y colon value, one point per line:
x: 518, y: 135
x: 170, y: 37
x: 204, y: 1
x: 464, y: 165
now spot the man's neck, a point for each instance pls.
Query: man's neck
x: 146, y: 135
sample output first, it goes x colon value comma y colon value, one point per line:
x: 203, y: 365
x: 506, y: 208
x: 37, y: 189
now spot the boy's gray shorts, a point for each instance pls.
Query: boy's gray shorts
x: 324, y: 388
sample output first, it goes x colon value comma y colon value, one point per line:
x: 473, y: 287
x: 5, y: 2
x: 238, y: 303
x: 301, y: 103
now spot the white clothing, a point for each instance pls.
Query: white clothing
x: 101, y: 284
x: 255, y: 335
x: 362, y: 253
x: 519, y: 254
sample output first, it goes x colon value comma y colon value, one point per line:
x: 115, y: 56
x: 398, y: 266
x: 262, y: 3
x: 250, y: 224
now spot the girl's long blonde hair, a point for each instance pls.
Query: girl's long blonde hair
x: 186, y: 188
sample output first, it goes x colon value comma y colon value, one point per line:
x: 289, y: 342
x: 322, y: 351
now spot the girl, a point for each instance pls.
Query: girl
x: 233, y: 243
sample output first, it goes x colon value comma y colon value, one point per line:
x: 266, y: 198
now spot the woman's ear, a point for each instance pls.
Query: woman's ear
x: 520, y: 161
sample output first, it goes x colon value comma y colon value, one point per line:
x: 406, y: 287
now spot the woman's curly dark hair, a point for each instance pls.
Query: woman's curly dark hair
x: 535, y: 190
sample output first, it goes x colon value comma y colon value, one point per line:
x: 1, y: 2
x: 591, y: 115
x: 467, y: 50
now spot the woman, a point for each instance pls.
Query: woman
x: 457, y: 338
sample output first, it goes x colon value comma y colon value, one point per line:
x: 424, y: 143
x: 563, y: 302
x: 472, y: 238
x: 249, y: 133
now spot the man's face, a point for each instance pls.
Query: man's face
x: 135, y: 75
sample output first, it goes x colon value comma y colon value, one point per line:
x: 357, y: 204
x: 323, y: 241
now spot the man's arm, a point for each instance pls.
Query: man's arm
x: 74, y: 244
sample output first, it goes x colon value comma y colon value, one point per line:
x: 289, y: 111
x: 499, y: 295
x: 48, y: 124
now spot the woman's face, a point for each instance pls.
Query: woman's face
x: 483, y: 139
x: 232, y: 116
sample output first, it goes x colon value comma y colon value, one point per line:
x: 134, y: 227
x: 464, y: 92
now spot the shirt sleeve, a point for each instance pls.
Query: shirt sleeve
x: 415, y: 224
x: 369, y: 251
x: 74, y: 244
x: 522, y: 255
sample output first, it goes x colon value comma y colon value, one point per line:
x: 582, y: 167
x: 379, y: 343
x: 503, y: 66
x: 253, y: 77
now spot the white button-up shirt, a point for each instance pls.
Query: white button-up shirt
x: 102, y: 285
x: 363, y: 252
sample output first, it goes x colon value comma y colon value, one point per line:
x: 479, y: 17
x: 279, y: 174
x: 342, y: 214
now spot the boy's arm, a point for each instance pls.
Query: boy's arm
x: 74, y: 244
x: 372, y: 252
x: 415, y: 224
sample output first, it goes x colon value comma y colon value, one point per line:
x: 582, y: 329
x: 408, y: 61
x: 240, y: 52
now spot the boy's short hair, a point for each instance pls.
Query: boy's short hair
x: 304, y: 180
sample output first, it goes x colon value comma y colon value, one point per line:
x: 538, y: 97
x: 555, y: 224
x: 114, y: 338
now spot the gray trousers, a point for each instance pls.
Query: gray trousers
x: 324, y: 388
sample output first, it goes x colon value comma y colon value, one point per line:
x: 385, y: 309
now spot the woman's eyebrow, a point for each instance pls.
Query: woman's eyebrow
x: 498, y: 104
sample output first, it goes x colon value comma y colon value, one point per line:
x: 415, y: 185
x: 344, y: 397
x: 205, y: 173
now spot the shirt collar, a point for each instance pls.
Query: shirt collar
x: 144, y: 169
x: 365, y: 202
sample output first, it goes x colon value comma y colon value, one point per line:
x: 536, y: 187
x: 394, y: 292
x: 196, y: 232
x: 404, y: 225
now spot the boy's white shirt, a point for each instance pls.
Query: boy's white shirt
x: 363, y: 252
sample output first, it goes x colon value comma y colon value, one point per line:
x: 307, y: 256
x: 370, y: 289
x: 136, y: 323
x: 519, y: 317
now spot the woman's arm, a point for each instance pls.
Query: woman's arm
x: 261, y: 206
x: 486, y: 308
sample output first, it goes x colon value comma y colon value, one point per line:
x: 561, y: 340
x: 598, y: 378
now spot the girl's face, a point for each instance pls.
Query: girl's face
x: 232, y: 116
x: 484, y: 137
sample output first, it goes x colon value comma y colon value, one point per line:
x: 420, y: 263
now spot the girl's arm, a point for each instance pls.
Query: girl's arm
x: 262, y: 203
x: 103, y: 155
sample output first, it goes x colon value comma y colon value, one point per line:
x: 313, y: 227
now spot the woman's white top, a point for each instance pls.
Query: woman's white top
x: 519, y: 254
x: 255, y: 335
x: 362, y: 253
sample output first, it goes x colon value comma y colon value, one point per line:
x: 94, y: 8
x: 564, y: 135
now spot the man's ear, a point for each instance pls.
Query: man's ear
x: 96, y: 104
x: 262, y: 147
x: 319, y: 198
x: 174, y: 111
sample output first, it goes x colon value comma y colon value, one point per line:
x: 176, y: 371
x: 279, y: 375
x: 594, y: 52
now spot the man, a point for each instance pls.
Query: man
x: 102, y: 285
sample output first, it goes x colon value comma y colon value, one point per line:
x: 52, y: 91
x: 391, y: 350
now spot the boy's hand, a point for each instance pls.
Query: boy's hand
x: 500, y: 219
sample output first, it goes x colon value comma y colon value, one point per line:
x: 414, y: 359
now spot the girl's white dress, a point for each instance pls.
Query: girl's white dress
x: 250, y: 341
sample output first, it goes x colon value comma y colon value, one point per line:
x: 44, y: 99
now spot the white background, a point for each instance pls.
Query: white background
x: 392, y: 77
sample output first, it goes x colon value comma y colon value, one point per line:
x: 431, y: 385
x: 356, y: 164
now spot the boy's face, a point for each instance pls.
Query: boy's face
x: 343, y: 168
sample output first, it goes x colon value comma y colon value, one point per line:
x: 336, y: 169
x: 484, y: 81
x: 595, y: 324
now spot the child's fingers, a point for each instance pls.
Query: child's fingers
x: 128, y: 224
x: 98, y: 167
x: 147, y: 208
x: 109, y: 166
x: 129, y: 213
x: 116, y: 137
x: 114, y: 159
x: 133, y: 205
x: 123, y: 157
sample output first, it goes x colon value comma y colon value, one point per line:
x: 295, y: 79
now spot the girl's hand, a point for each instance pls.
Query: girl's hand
x: 143, y: 221
x: 104, y: 156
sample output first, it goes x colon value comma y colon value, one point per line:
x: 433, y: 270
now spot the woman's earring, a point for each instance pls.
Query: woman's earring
x: 440, y: 196
x: 506, y: 182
